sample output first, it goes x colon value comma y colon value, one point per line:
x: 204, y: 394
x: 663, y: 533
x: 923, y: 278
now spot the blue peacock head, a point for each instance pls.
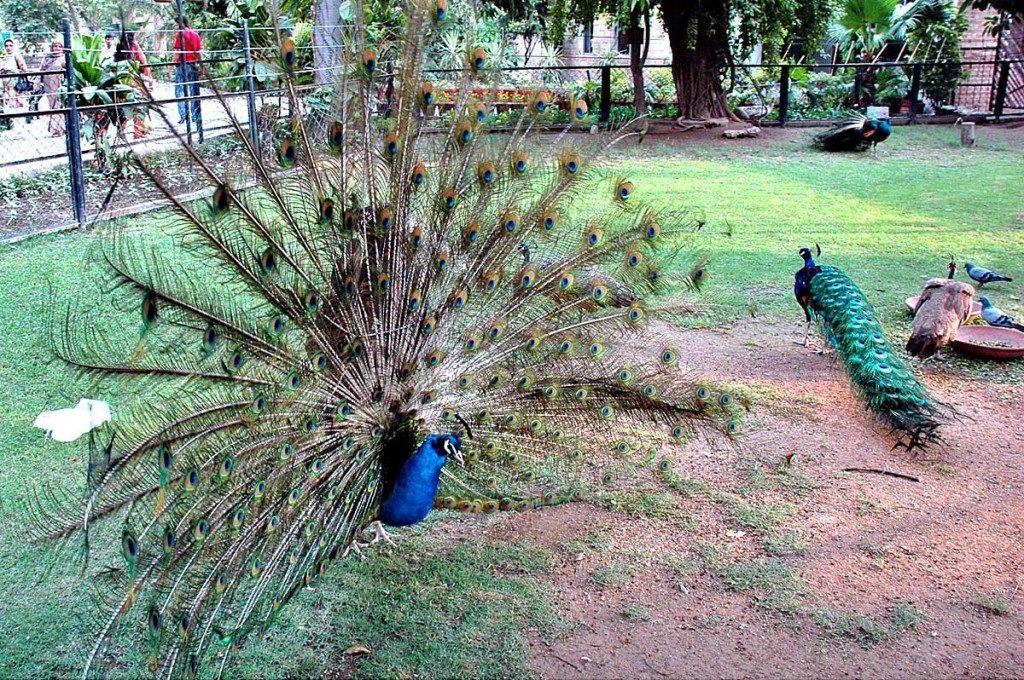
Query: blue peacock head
x: 880, y: 129
x: 808, y: 256
x: 444, y: 447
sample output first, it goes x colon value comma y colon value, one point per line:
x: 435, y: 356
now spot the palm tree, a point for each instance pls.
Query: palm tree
x: 864, y: 28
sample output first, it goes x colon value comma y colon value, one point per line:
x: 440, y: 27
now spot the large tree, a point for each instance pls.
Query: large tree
x: 33, y: 17
x: 708, y: 37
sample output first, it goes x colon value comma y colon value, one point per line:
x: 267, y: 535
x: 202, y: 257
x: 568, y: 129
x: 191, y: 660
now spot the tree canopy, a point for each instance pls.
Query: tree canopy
x: 1014, y: 7
x: 706, y: 36
x: 33, y: 17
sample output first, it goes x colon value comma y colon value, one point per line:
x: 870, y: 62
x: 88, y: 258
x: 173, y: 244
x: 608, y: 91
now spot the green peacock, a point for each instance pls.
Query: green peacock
x: 850, y: 325
x: 385, y: 320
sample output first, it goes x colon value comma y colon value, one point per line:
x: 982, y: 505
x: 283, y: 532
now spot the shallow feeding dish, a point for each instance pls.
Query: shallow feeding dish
x: 973, y: 316
x: 989, y: 342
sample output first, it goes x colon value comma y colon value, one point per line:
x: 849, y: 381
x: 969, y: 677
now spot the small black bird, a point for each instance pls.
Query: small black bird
x: 982, y: 275
x: 802, y: 286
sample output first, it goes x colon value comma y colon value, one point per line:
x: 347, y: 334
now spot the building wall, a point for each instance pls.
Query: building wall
x: 605, y: 40
x: 975, y: 92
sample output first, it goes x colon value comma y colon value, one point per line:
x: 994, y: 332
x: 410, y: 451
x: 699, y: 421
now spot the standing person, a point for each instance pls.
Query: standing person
x: 186, y: 74
x: 51, y: 84
x: 11, y: 62
x: 109, y: 49
x: 128, y: 49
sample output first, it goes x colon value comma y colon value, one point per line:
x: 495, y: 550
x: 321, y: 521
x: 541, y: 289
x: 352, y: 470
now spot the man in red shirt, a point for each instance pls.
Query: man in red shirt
x: 186, y: 73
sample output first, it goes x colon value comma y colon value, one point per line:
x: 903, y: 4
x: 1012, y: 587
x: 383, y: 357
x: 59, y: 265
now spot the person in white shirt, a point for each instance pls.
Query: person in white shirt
x: 109, y: 48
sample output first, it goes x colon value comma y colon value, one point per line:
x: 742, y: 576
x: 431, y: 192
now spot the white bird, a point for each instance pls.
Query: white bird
x: 68, y: 424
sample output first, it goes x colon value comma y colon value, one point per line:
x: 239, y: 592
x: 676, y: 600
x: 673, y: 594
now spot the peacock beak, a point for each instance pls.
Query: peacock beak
x: 454, y: 453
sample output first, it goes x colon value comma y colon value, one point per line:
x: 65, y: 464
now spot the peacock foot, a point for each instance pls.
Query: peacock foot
x: 379, y: 534
x: 357, y: 548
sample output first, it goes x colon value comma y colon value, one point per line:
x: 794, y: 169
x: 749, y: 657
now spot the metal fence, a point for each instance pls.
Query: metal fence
x: 50, y: 146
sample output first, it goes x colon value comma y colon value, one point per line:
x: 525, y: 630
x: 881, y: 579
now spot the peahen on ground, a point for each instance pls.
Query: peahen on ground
x: 859, y: 134
x: 388, y: 321
x: 850, y: 324
x: 944, y: 305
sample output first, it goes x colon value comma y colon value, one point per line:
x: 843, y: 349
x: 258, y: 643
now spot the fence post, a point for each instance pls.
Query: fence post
x: 250, y: 87
x: 73, y: 136
x: 606, y: 94
x: 915, y: 91
x: 1004, y: 79
x: 784, y: 94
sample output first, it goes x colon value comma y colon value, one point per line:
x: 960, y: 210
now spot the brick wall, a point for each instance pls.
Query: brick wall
x: 975, y: 91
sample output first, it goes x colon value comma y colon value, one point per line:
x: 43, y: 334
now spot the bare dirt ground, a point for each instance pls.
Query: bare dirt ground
x: 676, y: 597
x: 665, y: 131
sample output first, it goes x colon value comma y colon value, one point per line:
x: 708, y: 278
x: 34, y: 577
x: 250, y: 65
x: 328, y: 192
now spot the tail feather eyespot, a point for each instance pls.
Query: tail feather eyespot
x: 288, y: 53
x: 623, y: 191
x: 478, y: 59
x: 419, y: 174
x: 370, y: 60
x: 336, y: 136
x: 571, y: 163
x: 287, y: 153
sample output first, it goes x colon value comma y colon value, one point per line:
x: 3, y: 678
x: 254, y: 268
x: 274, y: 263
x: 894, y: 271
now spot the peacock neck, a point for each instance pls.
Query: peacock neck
x: 411, y: 497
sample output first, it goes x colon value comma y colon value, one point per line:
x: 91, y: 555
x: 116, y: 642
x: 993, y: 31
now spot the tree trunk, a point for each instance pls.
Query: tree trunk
x: 636, y: 66
x: 327, y: 56
x: 73, y: 15
x: 699, y: 39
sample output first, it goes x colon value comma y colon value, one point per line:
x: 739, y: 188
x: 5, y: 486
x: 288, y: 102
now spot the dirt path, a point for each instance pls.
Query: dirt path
x: 645, y: 602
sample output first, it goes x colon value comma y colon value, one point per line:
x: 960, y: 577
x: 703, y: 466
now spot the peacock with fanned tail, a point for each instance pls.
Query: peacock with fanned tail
x: 850, y: 325
x: 390, y: 321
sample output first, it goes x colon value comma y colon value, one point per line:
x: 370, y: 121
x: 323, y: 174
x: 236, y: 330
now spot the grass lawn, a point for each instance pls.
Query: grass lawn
x: 890, y: 219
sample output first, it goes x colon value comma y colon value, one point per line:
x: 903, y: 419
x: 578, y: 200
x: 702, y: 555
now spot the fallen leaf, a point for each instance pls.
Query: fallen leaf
x: 356, y: 650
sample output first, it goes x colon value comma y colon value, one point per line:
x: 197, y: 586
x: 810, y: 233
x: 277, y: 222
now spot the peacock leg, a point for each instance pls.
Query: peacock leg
x: 807, y: 332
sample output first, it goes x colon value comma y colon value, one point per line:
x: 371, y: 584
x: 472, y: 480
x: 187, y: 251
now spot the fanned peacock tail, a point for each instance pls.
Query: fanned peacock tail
x: 889, y: 389
x: 295, y: 341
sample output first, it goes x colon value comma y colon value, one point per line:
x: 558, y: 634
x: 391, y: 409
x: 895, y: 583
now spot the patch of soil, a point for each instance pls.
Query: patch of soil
x: 44, y: 203
x: 873, y: 542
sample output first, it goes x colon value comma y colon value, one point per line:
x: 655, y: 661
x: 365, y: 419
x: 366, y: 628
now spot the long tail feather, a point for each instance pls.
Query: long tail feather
x: 888, y: 387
